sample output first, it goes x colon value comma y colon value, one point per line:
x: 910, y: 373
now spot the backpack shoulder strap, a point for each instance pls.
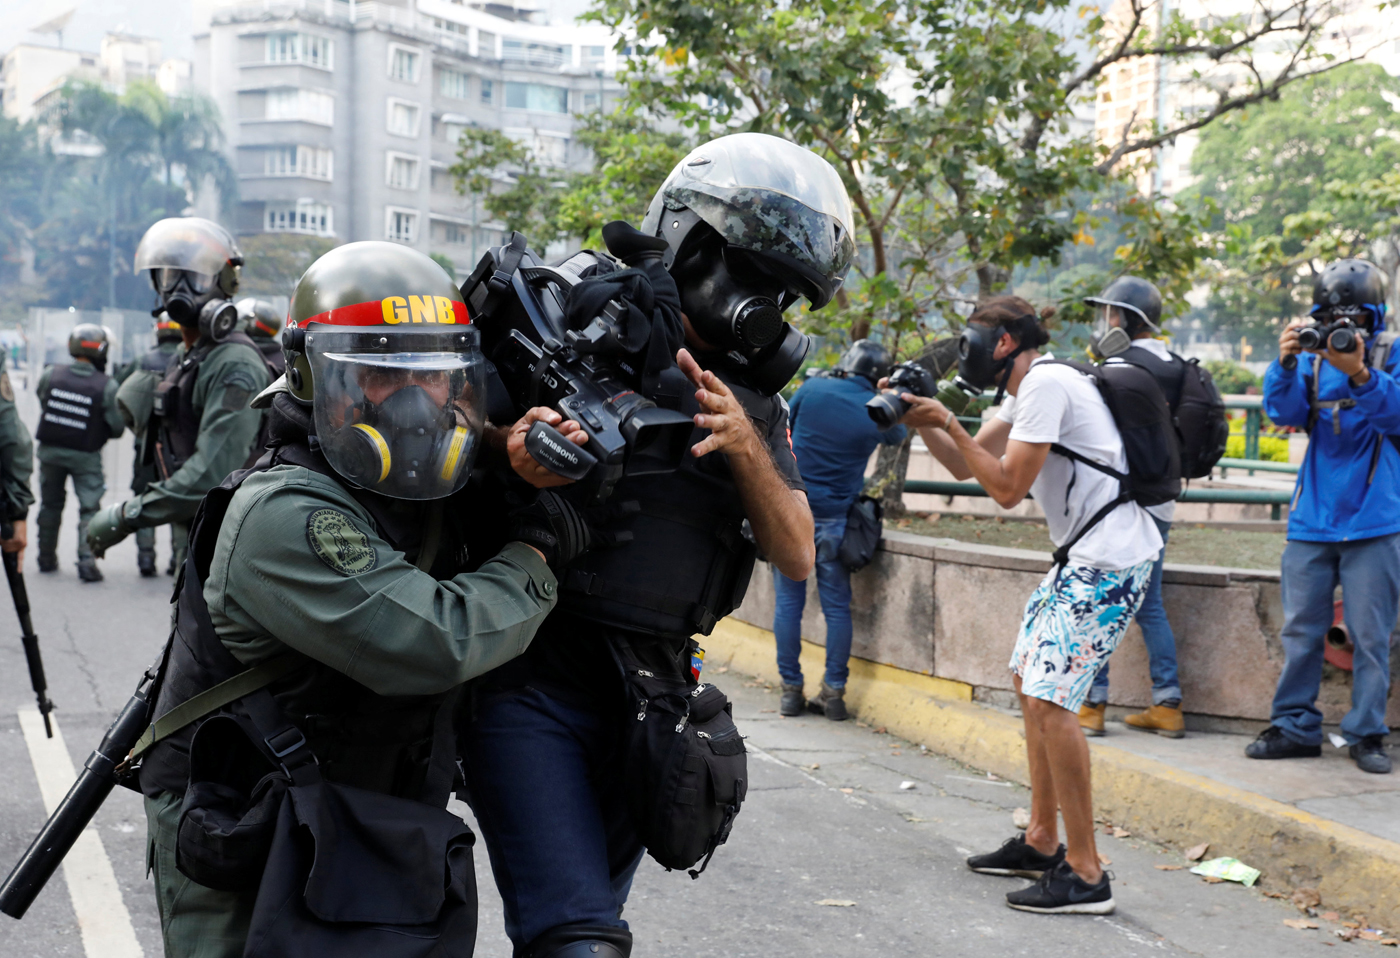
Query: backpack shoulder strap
x: 1379, y: 353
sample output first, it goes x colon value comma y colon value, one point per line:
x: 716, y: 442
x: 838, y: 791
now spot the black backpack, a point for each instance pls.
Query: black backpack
x: 1201, y: 426
x: 1145, y: 422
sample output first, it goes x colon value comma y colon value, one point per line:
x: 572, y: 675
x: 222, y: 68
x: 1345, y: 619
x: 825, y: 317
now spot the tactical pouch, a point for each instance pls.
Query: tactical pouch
x: 685, y: 765
x: 864, y: 527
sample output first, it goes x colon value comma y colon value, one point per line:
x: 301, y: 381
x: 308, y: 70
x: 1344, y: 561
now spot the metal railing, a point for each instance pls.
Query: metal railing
x: 1255, y: 465
x: 1276, y: 499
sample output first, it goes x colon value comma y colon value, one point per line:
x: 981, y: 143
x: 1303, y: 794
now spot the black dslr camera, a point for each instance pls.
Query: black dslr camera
x: 887, y: 408
x: 1340, y: 335
x: 586, y: 374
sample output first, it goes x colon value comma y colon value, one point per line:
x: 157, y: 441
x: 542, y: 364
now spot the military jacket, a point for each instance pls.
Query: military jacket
x: 16, y: 453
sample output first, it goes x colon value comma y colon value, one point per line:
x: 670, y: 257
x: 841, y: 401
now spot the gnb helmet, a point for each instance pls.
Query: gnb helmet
x: 167, y: 330
x: 1351, y: 287
x: 378, y: 343
x: 89, y: 341
x: 865, y: 358
x: 754, y: 222
x: 192, y: 261
x: 260, y: 319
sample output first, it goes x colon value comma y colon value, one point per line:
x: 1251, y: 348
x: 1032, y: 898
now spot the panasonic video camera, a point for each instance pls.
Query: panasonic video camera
x: 586, y: 374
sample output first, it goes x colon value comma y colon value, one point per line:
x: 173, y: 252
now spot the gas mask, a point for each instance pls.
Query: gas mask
x: 398, y: 412
x: 192, y: 299
x: 1107, y: 340
x: 976, y: 365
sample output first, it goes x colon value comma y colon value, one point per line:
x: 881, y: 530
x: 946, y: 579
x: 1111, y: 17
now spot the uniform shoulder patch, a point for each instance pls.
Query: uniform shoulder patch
x: 339, y: 544
x: 7, y: 392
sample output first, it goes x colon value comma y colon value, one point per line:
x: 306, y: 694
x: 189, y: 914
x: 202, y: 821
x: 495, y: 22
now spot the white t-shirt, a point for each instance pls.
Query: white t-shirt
x: 1058, y: 404
x: 1164, y: 511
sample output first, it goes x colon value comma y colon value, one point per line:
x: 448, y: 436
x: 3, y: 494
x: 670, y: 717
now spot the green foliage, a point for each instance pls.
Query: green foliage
x: 1271, y: 448
x: 1230, y: 376
x: 514, y: 187
x: 443, y: 260
x: 273, y: 262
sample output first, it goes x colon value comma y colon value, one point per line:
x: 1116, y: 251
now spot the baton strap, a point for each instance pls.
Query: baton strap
x: 212, y: 699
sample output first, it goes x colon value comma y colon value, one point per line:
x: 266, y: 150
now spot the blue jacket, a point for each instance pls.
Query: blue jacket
x: 832, y: 438
x: 1333, y: 502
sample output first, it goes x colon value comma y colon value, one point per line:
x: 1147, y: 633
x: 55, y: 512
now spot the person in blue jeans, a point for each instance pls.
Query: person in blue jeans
x: 832, y: 438
x: 1344, y: 526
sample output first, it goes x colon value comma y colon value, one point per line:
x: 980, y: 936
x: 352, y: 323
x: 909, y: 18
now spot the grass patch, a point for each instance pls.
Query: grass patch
x: 1189, y: 544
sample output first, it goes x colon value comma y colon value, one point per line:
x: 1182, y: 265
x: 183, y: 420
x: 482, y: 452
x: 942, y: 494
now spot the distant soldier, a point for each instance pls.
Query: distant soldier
x: 79, y: 414
x: 263, y: 324
x: 151, y: 366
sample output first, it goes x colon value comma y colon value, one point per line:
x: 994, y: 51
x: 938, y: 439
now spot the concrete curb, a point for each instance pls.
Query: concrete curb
x: 1352, y: 869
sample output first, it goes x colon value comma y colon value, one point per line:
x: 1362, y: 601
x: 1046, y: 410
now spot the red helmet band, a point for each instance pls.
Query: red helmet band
x: 393, y: 310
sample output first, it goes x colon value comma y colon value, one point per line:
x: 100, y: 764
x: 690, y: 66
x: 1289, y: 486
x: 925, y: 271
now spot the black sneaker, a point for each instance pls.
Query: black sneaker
x: 1061, y: 892
x: 1273, y: 743
x: 1369, y: 755
x: 1016, y: 859
x: 792, y: 702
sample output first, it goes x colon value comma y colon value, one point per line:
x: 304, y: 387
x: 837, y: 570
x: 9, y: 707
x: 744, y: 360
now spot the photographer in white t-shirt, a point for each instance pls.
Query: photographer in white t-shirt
x: 1080, y: 611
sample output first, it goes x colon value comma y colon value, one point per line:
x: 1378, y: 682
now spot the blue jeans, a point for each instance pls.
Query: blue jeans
x: 1369, y: 573
x: 545, y: 781
x: 1156, y: 635
x: 834, y: 587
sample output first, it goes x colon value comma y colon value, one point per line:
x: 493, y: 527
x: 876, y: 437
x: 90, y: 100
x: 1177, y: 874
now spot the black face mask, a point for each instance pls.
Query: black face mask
x: 729, y: 311
x: 976, y: 364
x: 406, y: 436
x: 183, y: 301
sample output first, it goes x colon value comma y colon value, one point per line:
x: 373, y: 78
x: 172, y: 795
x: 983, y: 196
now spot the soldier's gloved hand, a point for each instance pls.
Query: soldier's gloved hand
x: 110, y: 526
x: 552, y: 526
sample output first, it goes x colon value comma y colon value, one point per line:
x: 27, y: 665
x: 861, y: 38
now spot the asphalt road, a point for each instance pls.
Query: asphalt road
x: 826, y: 820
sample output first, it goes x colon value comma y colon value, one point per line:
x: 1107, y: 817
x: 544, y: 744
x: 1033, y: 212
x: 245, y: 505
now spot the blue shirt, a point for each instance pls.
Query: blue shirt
x: 833, y: 437
x: 1333, y: 501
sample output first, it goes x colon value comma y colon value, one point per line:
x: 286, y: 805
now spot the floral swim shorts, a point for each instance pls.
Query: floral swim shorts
x: 1073, y: 622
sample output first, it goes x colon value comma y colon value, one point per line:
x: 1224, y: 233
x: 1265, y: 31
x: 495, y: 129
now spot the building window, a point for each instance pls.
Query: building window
x: 308, y: 105
x: 401, y: 226
x: 540, y: 55
x: 300, y: 48
x: 547, y: 147
x: 403, y: 64
x: 455, y: 235
x: 401, y: 172
x: 452, y: 132
x: 450, y: 26
x: 593, y: 56
x: 590, y: 102
x: 300, y: 217
x: 539, y: 97
x: 308, y: 161
x: 454, y: 84
x: 485, y: 45
x: 488, y: 89
x: 403, y: 117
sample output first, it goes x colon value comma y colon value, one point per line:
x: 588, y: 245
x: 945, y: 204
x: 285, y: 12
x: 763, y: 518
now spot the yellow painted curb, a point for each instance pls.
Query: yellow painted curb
x: 1351, y: 868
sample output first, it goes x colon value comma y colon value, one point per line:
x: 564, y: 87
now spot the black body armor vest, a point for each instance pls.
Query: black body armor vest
x: 1168, y: 373
x: 177, y: 420
x: 73, y: 417
x: 671, y: 557
x: 387, y: 744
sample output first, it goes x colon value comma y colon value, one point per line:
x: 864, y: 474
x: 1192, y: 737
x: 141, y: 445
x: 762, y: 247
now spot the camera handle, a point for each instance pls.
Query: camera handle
x: 547, y: 446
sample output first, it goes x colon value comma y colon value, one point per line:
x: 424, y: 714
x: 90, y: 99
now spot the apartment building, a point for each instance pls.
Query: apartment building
x: 30, y: 73
x: 342, y: 119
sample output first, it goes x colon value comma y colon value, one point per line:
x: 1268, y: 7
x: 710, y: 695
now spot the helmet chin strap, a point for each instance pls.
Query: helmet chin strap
x: 1007, y: 362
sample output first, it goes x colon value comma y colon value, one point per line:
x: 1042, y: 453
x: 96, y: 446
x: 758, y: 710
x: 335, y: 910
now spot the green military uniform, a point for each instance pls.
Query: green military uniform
x: 16, y: 453
x: 230, y: 375
x: 143, y: 474
x: 58, y: 463
x: 311, y: 571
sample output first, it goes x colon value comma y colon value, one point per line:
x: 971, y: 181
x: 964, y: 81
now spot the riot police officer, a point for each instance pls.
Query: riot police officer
x: 263, y: 325
x: 753, y: 223
x: 202, y: 426
x: 78, y: 415
x: 344, y: 567
x: 148, y: 369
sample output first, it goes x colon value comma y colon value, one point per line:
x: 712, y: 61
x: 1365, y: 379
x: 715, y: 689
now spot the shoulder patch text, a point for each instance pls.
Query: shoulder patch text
x: 339, y: 544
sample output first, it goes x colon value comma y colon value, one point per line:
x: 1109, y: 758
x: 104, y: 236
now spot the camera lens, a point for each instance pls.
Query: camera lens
x: 1342, y: 340
x: 886, y: 409
x: 1310, y: 337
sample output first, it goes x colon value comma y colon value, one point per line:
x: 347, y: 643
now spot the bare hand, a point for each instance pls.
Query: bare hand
x: 924, y: 412
x: 730, y: 429
x: 1288, y: 340
x: 523, y: 463
x: 1352, y: 363
x: 17, y: 542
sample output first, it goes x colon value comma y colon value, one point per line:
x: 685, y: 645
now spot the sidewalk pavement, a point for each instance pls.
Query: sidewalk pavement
x: 1306, y: 823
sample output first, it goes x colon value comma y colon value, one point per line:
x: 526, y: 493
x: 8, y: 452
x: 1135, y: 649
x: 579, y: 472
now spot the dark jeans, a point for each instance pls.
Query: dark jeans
x: 1156, y: 635
x: 545, y: 781
x: 834, y: 588
x: 1368, y: 571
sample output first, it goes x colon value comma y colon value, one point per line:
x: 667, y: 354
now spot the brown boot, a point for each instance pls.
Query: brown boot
x: 1162, y: 719
x: 1091, y: 718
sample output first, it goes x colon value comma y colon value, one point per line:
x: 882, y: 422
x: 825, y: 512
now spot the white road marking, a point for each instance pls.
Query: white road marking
x: 92, y: 885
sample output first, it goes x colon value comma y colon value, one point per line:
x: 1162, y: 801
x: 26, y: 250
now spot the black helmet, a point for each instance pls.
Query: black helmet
x: 865, y: 358
x: 261, y: 320
x: 1140, y: 301
x: 192, y: 262
x: 378, y: 343
x: 89, y: 341
x: 1349, y: 285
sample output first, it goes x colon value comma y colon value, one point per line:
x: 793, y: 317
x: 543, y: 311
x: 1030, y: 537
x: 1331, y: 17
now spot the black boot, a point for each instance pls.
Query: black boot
x: 48, y: 562
x: 146, y: 562
x: 830, y: 702
x: 792, y: 702
x: 88, y: 571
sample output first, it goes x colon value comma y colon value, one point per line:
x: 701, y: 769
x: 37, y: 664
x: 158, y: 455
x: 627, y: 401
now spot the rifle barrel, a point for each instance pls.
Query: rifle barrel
x: 35, y: 661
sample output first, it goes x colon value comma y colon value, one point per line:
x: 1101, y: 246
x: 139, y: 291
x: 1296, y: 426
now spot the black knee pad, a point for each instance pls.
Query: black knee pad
x: 579, y: 941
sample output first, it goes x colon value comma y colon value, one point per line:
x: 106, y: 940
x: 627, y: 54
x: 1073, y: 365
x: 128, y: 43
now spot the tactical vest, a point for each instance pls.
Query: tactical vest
x: 173, y: 409
x: 670, y: 553
x: 73, y: 415
x: 157, y: 361
x: 387, y: 744
x: 1167, y: 372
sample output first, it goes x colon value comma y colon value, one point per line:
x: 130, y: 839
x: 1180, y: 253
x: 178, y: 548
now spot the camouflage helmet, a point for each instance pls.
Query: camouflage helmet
x: 780, y: 202
x: 261, y: 320
x: 89, y: 341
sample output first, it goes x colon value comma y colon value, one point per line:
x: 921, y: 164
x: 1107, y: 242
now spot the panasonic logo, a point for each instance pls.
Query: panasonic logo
x: 562, y: 451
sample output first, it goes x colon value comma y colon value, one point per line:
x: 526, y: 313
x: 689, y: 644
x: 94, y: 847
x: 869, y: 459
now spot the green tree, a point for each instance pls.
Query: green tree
x: 273, y: 262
